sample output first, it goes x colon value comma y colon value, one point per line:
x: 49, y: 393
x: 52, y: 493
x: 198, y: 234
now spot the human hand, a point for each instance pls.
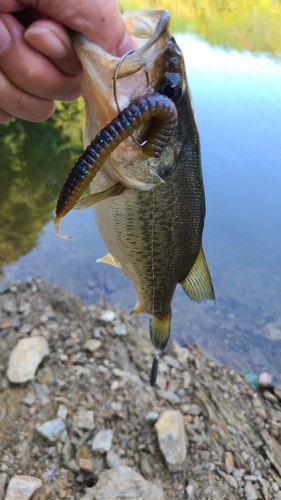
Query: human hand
x: 38, y: 64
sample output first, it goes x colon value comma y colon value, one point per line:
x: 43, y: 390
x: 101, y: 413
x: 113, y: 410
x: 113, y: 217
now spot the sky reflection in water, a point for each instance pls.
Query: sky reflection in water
x: 237, y: 101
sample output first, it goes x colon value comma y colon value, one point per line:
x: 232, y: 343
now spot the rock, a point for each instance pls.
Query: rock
x: 112, y: 459
x: 120, y: 330
x: 51, y: 429
x: 190, y: 492
x: 250, y: 491
x: 145, y: 466
x: 25, y: 358
x: 107, y: 315
x: 230, y: 479
x: 92, y: 345
x: 3, y: 480
x: 172, y: 439
x: 264, y: 486
x: 62, y: 412
x: 84, y: 419
x: 85, y: 464
x: 169, y: 396
x: 22, y: 487
x: 102, y: 441
x: 151, y: 417
x: 229, y: 462
x: 123, y: 482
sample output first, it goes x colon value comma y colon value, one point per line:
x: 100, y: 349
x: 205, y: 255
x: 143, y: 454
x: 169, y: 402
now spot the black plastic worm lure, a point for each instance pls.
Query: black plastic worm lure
x: 156, y: 109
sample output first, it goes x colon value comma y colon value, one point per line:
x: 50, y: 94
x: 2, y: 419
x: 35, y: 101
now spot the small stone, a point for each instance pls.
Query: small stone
x: 25, y: 358
x: 102, y: 441
x: 86, y: 464
x: 277, y: 392
x: 250, y: 491
x: 22, y: 487
x: 151, y: 417
x: 172, y: 362
x: 190, y: 492
x: 191, y: 409
x: 186, y: 379
x: 275, y: 486
x: 172, y: 439
x: 229, y: 462
x: 123, y: 482
x: 230, y: 479
x: 116, y: 406
x: 62, y: 412
x: 270, y: 397
x: 92, y: 345
x: 265, y: 379
x: 120, y: 330
x: 264, y: 486
x: 51, y: 429
x: 145, y: 466
x: 112, y: 459
x: 107, y: 315
x: 3, y: 481
x: 169, y: 396
x: 84, y: 419
x: 115, y: 385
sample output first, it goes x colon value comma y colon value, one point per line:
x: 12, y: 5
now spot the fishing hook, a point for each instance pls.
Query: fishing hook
x: 115, y: 78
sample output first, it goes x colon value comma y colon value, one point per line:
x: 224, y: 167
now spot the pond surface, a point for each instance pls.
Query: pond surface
x: 237, y: 101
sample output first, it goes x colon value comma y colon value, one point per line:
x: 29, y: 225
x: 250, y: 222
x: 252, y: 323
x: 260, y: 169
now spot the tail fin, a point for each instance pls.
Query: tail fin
x: 159, y: 328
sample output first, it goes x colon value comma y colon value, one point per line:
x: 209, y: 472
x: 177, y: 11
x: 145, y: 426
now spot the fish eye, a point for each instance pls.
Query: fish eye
x: 169, y: 90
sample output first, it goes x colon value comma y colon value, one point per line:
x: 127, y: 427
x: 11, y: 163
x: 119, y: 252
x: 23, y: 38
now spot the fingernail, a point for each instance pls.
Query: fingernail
x: 5, y: 37
x: 46, y: 42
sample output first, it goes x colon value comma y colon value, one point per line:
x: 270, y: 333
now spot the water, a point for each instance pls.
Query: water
x: 237, y: 101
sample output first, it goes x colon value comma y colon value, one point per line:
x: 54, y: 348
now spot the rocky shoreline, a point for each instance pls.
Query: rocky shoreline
x: 86, y: 425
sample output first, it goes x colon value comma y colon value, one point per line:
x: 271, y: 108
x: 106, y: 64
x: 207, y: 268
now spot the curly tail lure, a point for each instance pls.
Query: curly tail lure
x: 157, y: 108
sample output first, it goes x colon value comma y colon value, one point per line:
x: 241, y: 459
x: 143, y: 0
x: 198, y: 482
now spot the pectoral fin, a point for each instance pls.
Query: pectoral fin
x: 198, y: 284
x: 159, y: 328
x: 93, y: 199
x: 108, y: 259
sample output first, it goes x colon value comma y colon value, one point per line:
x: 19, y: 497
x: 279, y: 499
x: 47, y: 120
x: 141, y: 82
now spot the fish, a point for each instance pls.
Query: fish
x: 149, y: 209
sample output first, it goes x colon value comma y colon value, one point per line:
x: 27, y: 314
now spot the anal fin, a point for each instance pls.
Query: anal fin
x: 198, y: 283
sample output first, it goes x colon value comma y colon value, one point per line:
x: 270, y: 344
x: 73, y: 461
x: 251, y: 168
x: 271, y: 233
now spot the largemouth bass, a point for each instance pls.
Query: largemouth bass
x: 150, y: 211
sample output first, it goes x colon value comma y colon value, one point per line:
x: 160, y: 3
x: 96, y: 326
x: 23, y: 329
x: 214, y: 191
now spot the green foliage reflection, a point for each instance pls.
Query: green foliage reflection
x: 35, y: 159
x: 240, y: 24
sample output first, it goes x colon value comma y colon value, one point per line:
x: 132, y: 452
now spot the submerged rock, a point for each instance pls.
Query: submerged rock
x: 26, y: 357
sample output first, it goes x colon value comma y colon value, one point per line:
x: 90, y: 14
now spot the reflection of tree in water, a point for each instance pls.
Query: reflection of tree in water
x: 239, y: 24
x: 35, y: 159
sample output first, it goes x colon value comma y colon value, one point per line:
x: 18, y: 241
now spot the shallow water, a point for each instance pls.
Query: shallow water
x: 237, y: 101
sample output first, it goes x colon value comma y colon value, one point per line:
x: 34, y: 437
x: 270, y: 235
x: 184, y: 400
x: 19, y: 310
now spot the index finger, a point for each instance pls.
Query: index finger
x: 99, y: 20
x: 11, y: 5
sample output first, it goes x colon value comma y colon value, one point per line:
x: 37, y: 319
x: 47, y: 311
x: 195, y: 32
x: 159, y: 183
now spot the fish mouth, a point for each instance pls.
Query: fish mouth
x: 147, y: 28
x: 143, y: 24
